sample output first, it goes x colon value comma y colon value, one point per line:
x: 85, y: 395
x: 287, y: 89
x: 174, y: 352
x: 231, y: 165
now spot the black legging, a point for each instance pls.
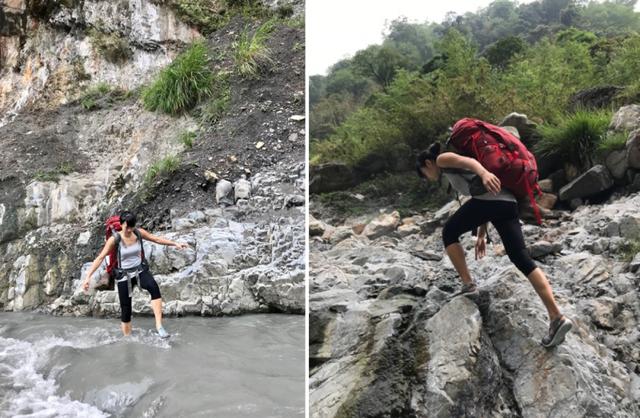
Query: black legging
x: 504, y: 217
x: 147, y: 282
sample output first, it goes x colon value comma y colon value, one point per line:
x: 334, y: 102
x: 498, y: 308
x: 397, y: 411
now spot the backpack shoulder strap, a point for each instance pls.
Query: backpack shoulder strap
x: 116, y: 236
x: 139, y: 236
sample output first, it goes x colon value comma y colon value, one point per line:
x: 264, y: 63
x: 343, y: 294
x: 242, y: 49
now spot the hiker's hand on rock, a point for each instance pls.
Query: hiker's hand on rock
x: 85, y: 284
x: 481, y: 248
x: 181, y: 245
x: 490, y: 182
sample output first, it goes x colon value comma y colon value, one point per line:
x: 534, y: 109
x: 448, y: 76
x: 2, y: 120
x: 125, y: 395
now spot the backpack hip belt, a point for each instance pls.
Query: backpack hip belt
x: 129, y: 274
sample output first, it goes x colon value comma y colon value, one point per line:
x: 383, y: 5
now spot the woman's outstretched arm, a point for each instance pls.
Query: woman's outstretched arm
x: 158, y: 240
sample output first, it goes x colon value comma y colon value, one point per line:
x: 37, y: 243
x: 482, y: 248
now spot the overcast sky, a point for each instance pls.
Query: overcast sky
x: 338, y: 28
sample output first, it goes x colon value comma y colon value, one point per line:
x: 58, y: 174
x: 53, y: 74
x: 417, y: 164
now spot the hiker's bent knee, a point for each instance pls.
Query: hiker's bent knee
x: 450, y: 235
x: 522, y: 260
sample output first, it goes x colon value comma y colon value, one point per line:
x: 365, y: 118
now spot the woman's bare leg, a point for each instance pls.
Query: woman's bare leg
x: 126, y: 328
x: 456, y: 255
x: 543, y: 289
x: 156, y: 305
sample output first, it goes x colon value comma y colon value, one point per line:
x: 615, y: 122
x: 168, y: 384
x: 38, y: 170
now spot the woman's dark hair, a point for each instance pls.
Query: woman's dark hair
x: 129, y: 218
x: 430, y: 153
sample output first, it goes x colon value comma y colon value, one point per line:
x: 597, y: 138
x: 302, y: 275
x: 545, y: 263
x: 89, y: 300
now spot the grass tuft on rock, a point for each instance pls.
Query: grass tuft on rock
x: 163, y: 168
x: 613, y: 142
x: 187, y: 138
x: 629, y: 249
x: 251, y: 54
x: 103, y: 94
x: 181, y: 85
x: 576, y: 137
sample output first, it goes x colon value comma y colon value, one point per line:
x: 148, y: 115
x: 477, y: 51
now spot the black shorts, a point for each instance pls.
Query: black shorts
x: 147, y: 282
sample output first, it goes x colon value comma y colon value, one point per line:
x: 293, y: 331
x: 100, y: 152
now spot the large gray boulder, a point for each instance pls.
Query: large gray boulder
x: 595, y: 180
x: 526, y: 128
x: 594, y: 98
x: 384, y: 224
x: 627, y: 118
x: 617, y: 163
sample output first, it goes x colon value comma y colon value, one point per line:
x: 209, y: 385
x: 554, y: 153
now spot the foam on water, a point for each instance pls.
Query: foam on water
x: 27, y: 392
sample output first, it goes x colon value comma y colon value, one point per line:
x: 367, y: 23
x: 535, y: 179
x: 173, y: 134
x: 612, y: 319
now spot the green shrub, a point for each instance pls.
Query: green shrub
x: 251, y: 54
x: 112, y: 46
x: 103, y: 94
x: 168, y: 165
x: 204, y: 14
x: 187, y: 138
x: 184, y: 83
x: 89, y: 100
x: 576, y: 138
x: 214, y: 109
x: 284, y: 11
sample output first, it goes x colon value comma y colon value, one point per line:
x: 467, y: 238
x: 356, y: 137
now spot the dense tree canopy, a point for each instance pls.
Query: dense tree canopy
x: 389, y: 100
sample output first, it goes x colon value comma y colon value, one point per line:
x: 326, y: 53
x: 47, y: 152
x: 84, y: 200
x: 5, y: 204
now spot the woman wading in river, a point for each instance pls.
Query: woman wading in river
x: 132, y: 269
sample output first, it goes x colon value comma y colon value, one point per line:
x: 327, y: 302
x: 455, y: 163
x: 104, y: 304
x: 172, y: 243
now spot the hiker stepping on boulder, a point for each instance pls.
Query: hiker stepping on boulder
x: 491, y: 202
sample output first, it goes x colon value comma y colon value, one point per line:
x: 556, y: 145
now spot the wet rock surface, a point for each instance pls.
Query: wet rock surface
x: 389, y: 338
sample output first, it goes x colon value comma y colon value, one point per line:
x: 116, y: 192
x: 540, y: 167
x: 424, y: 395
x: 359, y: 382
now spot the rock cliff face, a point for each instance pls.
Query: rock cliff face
x: 66, y: 166
x: 387, y: 338
x: 53, y: 49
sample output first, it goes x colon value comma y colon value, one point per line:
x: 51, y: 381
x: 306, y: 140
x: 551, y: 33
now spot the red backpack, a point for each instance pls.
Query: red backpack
x: 503, y: 154
x: 111, y: 226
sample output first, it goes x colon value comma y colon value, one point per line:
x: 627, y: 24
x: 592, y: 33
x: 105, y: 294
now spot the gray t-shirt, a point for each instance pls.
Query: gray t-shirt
x: 130, y: 255
x: 469, y: 184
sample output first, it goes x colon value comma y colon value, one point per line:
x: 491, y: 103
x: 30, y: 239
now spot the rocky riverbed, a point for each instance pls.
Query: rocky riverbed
x: 388, y: 339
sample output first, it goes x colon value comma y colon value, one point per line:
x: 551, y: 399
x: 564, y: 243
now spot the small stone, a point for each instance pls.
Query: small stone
x: 297, y: 118
x: 293, y: 137
x: 211, y: 176
x: 259, y: 145
x: 233, y: 158
x: 542, y: 248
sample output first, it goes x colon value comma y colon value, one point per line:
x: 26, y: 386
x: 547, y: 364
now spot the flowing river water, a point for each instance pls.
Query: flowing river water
x: 246, y: 366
